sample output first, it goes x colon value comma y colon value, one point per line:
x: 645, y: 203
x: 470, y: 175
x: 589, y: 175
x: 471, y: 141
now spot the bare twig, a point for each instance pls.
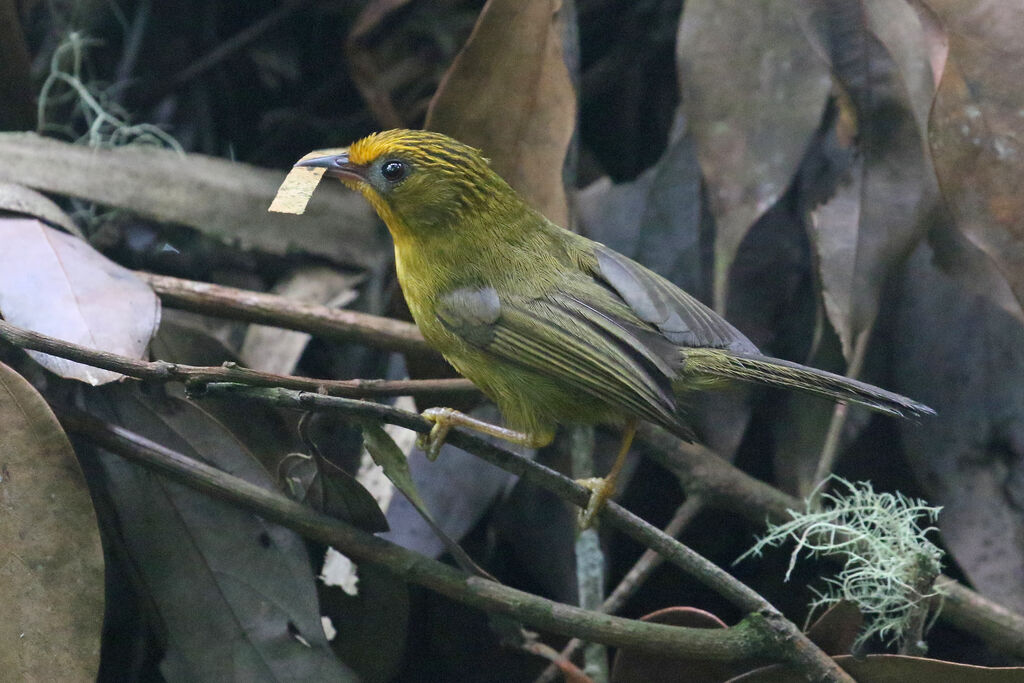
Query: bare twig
x: 195, y: 376
x: 702, y: 473
x: 800, y: 651
x: 589, y: 556
x: 830, y: 448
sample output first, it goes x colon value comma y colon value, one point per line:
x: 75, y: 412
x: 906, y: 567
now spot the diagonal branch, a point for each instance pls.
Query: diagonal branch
x: 798, y: 649
x: 278, y: 311
x: 747, y: 639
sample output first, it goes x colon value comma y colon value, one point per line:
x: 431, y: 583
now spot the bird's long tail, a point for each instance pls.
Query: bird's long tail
x: 721, y: 364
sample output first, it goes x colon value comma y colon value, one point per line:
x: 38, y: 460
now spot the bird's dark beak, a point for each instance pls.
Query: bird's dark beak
x: 337, y: 165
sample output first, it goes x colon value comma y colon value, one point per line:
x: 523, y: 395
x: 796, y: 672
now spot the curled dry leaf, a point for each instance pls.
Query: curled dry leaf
x: 222, y: 198
x: 753, y: 108
x: 509, y: 94
x: 975, y: 129
x: 54, y: 283
x: 51, y: 562
x: 874, y: 219
x: 21, y: 200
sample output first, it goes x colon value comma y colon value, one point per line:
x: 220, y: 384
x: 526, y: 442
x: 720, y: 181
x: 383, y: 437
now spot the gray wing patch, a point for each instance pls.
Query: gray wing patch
x: 471, y: 313
x: 678, y: 316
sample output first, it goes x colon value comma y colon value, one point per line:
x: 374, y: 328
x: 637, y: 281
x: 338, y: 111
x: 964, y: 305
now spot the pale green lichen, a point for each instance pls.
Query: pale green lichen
x: 889, y: 565
x: 106, y: 123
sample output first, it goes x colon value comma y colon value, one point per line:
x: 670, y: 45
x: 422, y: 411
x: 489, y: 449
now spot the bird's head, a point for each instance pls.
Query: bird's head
x: 417, y: 180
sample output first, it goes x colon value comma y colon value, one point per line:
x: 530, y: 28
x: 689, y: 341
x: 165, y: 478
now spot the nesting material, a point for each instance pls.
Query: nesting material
x: 299, y: 184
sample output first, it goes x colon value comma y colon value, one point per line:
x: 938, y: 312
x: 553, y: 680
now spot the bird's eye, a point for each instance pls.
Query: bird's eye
x: 393, y: 171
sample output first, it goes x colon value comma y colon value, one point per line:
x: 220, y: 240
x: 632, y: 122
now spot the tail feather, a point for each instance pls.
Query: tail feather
x: 718, y: 363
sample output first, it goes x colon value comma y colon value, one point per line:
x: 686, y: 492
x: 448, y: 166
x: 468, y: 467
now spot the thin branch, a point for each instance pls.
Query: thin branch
x: 279, y: 311
x: 196, y: 376
x: 747, y: 639
x: 830, y: 447
x: 800, y: 651
x: 590, y: 562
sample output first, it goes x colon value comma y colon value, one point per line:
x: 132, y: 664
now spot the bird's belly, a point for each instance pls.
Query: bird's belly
x: 530, y: 402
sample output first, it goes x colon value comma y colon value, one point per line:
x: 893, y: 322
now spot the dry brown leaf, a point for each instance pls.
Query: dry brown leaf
x: 51, y: 562
x: 875, y: 217
x: 56, y: 284
x: 752, y: 109
x: 975, y: 129
x: 509, y: 94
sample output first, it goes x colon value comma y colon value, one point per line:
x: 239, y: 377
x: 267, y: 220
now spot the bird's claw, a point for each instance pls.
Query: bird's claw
x: 601, y: 490
x: 431, y: 442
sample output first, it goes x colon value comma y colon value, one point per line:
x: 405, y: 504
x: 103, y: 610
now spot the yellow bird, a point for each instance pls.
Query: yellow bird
x: 554, y: 327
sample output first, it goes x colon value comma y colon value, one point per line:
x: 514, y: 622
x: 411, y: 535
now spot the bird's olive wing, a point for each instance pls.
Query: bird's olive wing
x: 560, y: 337
x: 682, y: 319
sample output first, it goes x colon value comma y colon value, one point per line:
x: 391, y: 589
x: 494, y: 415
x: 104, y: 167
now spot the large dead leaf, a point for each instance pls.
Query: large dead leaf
x: 753, y: 107
x: 509, y: 94
x: 54, y: 283
x: 975, y: 128
x: 656, y: 218
x: 219, y: 197
x: 51, y: 561
x: 967, y: 362
x: 235, y: 595
x: 874, y: 218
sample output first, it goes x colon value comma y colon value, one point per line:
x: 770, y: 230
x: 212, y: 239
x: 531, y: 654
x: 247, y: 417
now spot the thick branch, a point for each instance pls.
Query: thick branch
x: 788, y: 638
x: 747, y: 639
x: 721, y: 485
x: 270, y: 309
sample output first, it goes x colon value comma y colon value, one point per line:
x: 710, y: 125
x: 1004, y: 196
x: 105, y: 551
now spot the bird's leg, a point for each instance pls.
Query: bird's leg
x: 446, y: 418
x: 604, y: 488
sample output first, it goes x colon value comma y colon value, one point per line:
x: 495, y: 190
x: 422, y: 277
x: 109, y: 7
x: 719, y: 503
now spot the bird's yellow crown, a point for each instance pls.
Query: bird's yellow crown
x: 426, y: 148
x: 447, y: 179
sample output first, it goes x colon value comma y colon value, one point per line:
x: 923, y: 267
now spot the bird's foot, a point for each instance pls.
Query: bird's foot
x: 446, y: 418
x: 443, y: 419
x: 601, y: 489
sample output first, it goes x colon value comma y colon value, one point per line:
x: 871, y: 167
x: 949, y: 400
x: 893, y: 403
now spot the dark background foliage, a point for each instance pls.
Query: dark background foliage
x: 839, y: 180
